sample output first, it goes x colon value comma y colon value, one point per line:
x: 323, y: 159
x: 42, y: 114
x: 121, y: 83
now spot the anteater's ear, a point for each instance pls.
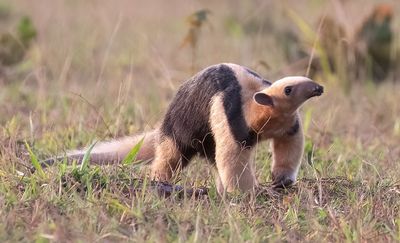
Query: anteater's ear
x: 263, y: 99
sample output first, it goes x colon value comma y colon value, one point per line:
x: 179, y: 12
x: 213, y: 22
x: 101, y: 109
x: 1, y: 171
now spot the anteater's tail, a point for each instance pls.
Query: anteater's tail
x: 114, y: 151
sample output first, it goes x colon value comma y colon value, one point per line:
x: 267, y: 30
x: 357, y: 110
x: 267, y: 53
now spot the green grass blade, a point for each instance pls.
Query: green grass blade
x: 310, y: 36
x: 307, y: 120
x: 86, y: 157
x: 35, y: 162
x: 131, y: 156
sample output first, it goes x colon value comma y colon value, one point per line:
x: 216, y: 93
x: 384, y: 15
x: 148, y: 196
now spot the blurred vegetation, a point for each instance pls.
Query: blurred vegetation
x: 90, y: 70
x: 195, y: 22
x: 13, y: 46
x: 376, y: 38
x: 363, y: 53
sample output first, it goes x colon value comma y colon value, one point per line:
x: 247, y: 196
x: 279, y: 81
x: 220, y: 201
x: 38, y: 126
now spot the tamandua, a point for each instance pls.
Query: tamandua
x: 221, y: 113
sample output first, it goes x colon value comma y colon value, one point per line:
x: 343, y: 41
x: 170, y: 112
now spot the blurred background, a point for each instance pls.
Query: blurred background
x: 72, y: 71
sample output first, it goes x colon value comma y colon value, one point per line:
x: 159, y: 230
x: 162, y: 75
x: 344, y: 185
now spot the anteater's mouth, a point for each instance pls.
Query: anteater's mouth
x: 317, y: 91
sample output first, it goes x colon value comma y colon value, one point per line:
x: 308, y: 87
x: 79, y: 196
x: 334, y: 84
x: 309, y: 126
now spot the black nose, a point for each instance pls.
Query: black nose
x: 317, y: 90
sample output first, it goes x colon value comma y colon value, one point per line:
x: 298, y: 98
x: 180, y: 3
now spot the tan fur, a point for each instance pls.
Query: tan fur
x: 249, y: 83
x: 287, y: 154
x: 285, y: 106
x: 235, y: 169
x: 167, y: 160
x: 270, y: 121
x: 274, y: 122
x: 114, y: 151
x: 267, y: 122
x: 255, y: 114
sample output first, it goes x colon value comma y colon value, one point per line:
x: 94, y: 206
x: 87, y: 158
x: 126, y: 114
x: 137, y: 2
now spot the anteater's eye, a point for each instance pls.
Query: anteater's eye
x: 288, y: 90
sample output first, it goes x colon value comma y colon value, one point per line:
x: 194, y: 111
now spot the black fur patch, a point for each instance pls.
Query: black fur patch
x: 253, y: 73
x: 266, y: 82
x: 294, y: 129
x: 232, y: 101
x: 187, y: 118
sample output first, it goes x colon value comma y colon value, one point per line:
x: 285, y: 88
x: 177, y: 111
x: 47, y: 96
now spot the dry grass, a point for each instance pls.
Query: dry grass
x: 103, y: 69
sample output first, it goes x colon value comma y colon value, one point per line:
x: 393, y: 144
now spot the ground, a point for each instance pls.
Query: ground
x: 104, y: 69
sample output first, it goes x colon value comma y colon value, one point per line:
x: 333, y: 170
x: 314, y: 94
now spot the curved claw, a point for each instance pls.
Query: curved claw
x: 282, y: 182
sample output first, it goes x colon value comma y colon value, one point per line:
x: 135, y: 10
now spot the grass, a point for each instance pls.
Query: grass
x: 104, y: 70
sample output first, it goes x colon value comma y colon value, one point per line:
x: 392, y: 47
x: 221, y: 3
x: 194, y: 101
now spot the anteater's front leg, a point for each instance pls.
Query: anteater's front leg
x: 235, y: 168
x: 287, y: 152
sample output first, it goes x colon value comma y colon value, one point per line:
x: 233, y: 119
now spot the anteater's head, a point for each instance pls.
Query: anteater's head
x: 286, y: 95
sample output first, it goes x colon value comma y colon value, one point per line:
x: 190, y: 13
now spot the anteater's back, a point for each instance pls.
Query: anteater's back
x: 187, y: 118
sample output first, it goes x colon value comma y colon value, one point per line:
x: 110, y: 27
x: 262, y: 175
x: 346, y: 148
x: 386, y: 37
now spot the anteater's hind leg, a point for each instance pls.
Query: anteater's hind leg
x: 167, y: 161
x: 235, y: 169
